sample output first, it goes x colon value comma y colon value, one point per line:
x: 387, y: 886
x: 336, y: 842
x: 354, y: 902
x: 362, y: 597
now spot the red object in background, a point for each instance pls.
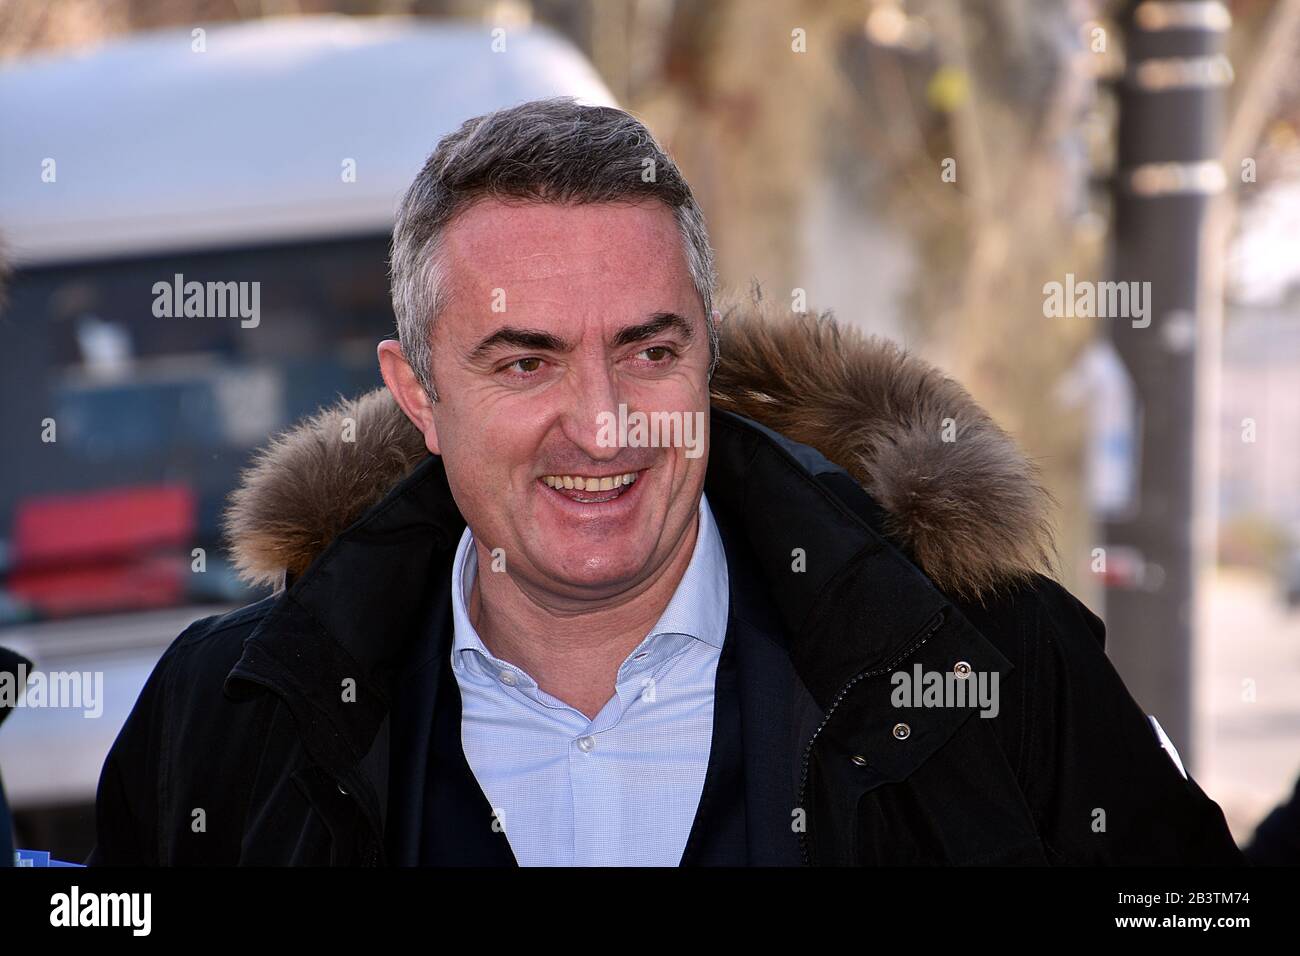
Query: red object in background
x: 64, y: 529
x: 123, y: 585
x: 108, y: 550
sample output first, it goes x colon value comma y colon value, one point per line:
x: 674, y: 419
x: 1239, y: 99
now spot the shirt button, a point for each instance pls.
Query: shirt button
x: 586, y: 744
x: 509, y: 679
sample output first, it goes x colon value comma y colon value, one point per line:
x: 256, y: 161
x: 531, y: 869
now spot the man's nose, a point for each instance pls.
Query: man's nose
x: 592, y: 404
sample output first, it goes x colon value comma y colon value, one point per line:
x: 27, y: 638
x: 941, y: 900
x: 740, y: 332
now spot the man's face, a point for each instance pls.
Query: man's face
x: 558, y: 315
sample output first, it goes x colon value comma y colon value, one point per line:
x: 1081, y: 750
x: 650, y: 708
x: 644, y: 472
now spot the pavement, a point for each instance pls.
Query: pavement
x: 1247, y: 752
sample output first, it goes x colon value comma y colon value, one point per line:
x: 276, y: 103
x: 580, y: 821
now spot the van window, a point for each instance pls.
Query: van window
x: 105, y: 387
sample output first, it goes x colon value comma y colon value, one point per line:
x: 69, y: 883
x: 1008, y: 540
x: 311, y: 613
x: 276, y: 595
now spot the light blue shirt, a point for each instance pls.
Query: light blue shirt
x: 621, y: 789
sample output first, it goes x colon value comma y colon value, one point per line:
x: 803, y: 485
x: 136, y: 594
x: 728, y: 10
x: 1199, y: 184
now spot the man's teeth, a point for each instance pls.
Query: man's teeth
x: 581, y: 483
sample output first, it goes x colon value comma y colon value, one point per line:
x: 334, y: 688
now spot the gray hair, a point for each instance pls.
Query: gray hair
x: 551, y: 150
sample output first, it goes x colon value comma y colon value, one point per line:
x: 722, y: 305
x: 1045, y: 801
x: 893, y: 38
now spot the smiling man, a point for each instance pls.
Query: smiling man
x: 587, y: 307
x: 501, y: 635
x: 560, y: 648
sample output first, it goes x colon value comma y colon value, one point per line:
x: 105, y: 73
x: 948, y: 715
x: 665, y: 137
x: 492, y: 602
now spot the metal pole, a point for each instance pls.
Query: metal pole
x: 1168, y: 170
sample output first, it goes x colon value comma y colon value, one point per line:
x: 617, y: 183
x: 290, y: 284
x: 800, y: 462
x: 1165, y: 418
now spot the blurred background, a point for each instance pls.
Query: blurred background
x: 924, y: 168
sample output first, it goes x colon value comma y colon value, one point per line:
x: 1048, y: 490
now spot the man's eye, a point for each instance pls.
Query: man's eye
x: 526, y: 365
x: 657, y: 353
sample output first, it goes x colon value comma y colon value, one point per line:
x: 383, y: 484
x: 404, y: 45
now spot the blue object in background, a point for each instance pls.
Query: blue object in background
x: 36, y: 858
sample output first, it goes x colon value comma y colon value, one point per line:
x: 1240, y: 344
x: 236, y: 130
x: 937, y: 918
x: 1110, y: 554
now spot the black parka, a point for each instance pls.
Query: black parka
x: 242, y: 725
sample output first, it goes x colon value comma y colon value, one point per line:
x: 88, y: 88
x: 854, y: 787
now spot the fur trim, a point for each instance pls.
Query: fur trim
x: 971, y: 511
x: 314, y: 480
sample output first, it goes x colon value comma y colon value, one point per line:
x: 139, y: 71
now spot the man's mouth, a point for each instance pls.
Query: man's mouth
x: 590, y: 488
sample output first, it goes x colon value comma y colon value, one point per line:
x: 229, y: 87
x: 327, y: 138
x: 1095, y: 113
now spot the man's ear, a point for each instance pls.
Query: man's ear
x: 407, y: 390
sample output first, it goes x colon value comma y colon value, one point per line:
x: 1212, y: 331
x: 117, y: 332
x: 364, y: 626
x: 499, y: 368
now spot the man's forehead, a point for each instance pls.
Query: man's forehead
x: 537, y: 259
x: 494, y: 242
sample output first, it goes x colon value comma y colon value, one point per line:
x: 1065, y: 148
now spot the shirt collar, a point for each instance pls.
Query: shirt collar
x: 698, y: 608
x: 701, y: 603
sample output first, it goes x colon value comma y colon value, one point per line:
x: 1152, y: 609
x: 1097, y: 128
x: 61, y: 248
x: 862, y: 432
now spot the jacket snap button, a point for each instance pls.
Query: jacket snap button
x: 341, y: 790
x: 902, y: 731
x: 859, y: 760
x: 961, y: 669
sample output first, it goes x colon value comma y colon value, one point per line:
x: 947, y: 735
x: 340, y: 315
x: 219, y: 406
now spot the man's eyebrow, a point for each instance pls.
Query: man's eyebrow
x: 657, y: 324
x: 509, y: 337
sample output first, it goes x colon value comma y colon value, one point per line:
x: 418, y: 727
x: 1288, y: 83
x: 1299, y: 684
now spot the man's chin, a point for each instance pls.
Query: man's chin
x: 593, y: 575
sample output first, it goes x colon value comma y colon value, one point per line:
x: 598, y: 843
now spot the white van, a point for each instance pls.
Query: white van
x: 271, y: 152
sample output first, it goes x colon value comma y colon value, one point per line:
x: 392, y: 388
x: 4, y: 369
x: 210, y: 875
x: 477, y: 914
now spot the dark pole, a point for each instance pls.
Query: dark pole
x: 1170, y: 103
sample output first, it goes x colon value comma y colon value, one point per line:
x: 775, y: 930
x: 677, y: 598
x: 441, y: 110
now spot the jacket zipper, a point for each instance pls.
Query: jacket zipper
x: 927, y: 630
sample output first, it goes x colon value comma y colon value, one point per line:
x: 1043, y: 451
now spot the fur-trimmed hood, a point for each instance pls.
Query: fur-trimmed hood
x: 958, y: 495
